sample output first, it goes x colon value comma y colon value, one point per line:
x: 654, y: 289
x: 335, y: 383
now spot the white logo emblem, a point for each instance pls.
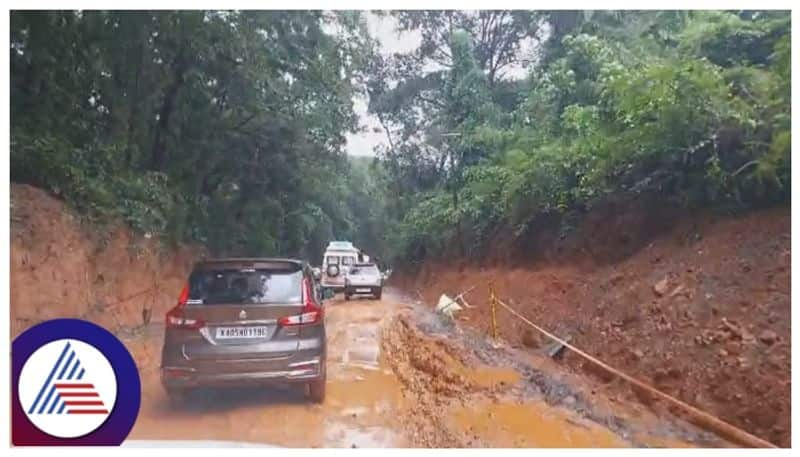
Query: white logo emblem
x: 242, y: 314
x: 67, y: 388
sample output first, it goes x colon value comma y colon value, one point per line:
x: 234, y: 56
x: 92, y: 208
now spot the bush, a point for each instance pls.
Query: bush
x: 691, y: 120
x: 88, y: 180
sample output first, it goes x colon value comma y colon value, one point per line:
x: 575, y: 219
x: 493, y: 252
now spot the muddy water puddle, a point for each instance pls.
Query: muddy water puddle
x: 492, y: 378
x: 362, y: 391
x: 530, y: 424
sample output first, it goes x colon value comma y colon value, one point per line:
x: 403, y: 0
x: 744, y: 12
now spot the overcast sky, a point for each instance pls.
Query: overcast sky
x: 384, y: 30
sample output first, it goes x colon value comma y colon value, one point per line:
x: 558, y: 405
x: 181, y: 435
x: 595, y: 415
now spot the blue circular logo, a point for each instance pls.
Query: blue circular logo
x: 73, y: 384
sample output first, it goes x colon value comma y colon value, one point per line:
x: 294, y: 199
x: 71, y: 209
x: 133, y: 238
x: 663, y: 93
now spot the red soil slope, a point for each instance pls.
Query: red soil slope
x: 702, y: 312
x: 59, y: 269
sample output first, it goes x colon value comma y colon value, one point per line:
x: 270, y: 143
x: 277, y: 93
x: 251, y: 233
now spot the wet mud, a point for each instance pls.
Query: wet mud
x: 401, y: 376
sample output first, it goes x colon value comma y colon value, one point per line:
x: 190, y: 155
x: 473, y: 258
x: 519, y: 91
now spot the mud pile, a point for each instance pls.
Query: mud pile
x: 434, y: 374
x: 60, y: 268
x: 702, y: 312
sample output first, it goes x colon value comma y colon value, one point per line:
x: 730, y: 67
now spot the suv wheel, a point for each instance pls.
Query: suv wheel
x: 316, y: 389
x: 333, y: 270
x: 177, y: 397
x: 378, y: 293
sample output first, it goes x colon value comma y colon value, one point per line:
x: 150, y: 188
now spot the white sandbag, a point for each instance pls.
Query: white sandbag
x: 447, y: 306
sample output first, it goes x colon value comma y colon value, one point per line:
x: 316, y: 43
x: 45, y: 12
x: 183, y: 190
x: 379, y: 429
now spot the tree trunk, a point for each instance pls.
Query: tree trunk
x: 134, y: 109
x: 159, y: 152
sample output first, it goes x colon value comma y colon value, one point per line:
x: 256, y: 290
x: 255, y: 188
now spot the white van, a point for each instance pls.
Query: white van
x: 338, y: 258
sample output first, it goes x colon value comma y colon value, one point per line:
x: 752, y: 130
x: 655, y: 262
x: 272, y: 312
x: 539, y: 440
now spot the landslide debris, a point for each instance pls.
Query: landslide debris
x: 435, y: 374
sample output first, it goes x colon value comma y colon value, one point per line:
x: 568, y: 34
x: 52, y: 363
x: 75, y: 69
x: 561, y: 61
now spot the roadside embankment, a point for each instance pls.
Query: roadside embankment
x: 701, y: 311
x: 60, y: 268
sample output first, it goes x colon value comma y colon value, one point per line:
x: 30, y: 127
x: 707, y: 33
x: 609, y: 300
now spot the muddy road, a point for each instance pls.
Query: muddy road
x: 362, y: 393
x: 400, y: 376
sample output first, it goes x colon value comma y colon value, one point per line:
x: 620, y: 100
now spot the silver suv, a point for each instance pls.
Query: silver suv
x: 363, y: 278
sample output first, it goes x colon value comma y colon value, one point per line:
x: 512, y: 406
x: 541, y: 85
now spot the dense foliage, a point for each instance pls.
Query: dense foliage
x: 691, y: 105
x: 222, y: 128
x: 228, y: 128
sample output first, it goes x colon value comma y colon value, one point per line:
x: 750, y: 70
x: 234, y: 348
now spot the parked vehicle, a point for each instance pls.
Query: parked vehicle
x: 339, y: 257
x: 363, y: 278
x: 246, y: 321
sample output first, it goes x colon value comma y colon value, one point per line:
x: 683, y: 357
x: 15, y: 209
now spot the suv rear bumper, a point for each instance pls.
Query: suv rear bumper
x: 362, y: 290
x: 305, y: 365
x: 337, y: 286
x: 183, y: 377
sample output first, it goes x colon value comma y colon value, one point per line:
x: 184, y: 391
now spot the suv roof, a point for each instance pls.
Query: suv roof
x: 338, y: 251
x: 250, y: 262
x: 346, y: 245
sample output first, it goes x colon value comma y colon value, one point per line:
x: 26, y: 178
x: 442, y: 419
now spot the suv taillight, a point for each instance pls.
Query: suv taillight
x: 311, y: 313
x: 175, y: 317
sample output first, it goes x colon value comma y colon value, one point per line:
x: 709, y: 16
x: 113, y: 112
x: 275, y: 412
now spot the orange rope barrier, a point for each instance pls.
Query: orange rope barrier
x: 705, y: 419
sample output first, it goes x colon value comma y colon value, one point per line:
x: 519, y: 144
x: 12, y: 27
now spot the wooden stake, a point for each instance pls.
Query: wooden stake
x: 493, y: 304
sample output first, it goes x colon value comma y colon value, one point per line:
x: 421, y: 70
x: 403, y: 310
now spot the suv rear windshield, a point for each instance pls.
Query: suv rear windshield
x: 245, y: 285
x: 364, y: 270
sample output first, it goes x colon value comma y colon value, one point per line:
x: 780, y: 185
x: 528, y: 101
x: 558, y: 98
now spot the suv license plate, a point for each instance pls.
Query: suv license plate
x: 241, y: 332
x: 363, y: 289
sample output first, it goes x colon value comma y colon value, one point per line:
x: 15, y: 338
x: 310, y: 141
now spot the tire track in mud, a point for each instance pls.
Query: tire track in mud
x: 362, y: 394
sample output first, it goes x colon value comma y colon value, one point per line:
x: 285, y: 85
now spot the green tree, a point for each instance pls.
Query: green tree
x: 690, y: 106
x: 220, y: 127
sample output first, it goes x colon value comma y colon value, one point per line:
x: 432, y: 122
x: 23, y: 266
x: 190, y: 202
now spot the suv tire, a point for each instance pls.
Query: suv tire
x: 332, y: 270
x: 177, y: 397
x: 316, y: 389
